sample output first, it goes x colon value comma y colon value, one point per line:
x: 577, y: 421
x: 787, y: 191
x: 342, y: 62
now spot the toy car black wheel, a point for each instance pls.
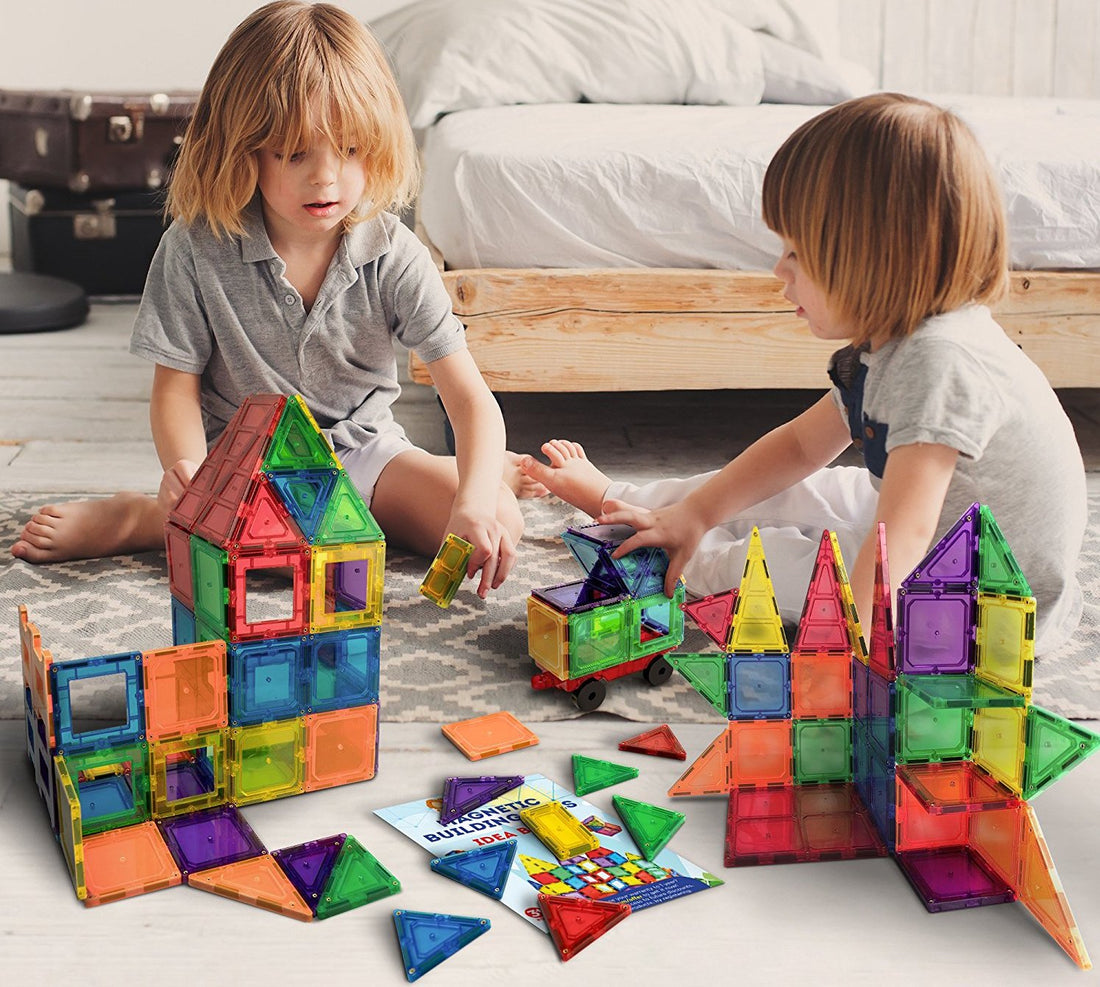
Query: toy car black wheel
x: 658, y: 671
x: 589, y: 694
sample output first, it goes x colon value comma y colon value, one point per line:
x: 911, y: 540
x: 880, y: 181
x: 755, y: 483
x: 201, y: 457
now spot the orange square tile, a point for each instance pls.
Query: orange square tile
x: 341, y: 746
x: 121, y: 863
x: 485, y: 736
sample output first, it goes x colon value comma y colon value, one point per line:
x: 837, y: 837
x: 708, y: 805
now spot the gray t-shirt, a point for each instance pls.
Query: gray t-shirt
x: 222, y: 308
x: 959, y: 381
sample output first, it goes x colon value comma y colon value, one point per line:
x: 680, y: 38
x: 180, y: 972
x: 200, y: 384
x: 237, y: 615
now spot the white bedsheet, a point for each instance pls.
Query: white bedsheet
x: 595, y: 185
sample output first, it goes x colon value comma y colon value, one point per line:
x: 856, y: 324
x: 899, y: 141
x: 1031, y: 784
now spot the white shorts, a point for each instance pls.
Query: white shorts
x: 840, y: 498
x: 364, y: 464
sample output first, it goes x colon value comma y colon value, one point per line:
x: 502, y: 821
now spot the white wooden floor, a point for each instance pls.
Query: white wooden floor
x: 848, y: 923
x: 73, y: 419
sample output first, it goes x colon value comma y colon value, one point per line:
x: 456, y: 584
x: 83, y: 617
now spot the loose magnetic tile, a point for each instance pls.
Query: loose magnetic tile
x: 1054, y: 746
x: 953, y: 877
x: 576, y: 923
x: 759, y: 686
x: 256, y: 881
x: 462, y: 795
x: 659, y: 742
x: 708, y: 674
x: 1041, y: 891
x: 427, y: 939
x: 757, y: 627
x: 591, y: 774
x: 357, y: 878
x: 711, y: 773
x: 489, y: 735
x: 309, y: 865
x: 185, y: 690
x: 821, y: 684
x: 823, y: 626
x: 650, y: 826
x: 998, y: 570
x: 209, y: 838
x: 562, y: 833
x: 447, y: 571
x: 713, y: 615
x: 341, y: 747
x: 121, y: 863
x: 955, y: 786
x: 935, y: 632
x: 484, y: 869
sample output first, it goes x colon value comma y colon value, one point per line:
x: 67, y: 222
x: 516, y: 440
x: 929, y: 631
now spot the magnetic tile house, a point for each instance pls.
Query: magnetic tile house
x: 925, y: 747
x: 270, y: 688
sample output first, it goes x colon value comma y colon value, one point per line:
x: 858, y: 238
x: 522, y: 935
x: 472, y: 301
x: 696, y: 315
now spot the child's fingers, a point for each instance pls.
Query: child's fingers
x: 488, y: 567
x: 507, y: 559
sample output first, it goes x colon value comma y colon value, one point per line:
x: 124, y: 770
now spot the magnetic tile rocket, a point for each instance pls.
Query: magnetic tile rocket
x: 924, y: 746
x: 270, y: 688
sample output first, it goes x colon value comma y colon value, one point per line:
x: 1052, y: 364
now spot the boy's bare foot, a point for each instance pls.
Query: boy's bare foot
x: 91, y: 529
x: 522, y: 485
x: 571, y: 475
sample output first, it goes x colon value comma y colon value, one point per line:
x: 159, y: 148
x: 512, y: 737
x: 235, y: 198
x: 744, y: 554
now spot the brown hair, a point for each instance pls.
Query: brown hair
x: 893, y: 210
x: 289, y: 69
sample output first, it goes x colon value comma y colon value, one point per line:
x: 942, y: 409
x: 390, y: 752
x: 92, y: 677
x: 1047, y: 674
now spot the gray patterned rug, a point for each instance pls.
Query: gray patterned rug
x: 437, y: 665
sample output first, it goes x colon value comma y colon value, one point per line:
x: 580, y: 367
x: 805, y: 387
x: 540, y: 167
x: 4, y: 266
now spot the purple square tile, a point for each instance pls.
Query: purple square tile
x: 935, y: 632
x: 209, y: 838
x: 949, y: 878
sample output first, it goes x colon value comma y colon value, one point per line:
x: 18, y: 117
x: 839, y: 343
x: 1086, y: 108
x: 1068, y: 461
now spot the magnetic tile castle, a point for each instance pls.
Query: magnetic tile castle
x: 270, y: 688
x: 615, y: 621
x: 927, y: 750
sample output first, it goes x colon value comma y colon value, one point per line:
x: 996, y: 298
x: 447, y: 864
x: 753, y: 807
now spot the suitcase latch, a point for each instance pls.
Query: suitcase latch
x: 124, y: 129
x: 98, y: 225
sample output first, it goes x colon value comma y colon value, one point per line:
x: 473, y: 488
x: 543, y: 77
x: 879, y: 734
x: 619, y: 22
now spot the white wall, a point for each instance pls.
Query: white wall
x: 126, y: 44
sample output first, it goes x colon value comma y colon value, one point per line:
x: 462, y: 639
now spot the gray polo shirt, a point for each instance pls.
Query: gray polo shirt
x: 223, y: 309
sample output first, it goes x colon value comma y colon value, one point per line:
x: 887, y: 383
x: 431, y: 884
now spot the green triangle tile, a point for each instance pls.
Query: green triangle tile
x: 1054, y: 746
x: 590, y: 774
x: 297, y: 443
x: 651, y: 826
x: 346, y: 517
x: 998, y: 570
x: 708, y: 674
x: 357, y: 879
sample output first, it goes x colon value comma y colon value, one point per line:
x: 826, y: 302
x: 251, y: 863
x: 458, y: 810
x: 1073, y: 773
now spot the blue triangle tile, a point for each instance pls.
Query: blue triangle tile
x: 305, y: 493
x: 426, y: 939
x: 484, y: 869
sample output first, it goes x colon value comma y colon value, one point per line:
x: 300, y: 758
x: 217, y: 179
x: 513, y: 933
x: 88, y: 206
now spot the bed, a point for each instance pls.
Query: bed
x: 592, y: 191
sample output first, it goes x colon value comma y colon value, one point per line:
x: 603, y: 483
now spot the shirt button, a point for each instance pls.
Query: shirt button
x: 869, y: 432
x: 289, y: 299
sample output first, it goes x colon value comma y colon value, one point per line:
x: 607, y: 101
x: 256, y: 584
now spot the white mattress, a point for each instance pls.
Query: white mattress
x: 598, y: 185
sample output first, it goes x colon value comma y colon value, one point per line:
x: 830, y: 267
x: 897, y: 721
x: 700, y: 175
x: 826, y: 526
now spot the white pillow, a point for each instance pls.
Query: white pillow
x: 793, y: 75
x: 461, y: 54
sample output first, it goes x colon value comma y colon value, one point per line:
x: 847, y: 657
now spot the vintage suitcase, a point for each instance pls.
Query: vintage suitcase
x: 104, y: 242
x: 90, y: 142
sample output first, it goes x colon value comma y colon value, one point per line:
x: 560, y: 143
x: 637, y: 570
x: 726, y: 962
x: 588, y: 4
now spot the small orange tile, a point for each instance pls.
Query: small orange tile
x: 121, y: 863
x: 486, y: 736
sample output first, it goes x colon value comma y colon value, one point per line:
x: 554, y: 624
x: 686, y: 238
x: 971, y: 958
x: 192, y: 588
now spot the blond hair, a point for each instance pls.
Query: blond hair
x: 893, y: 209
x: 291, y: 69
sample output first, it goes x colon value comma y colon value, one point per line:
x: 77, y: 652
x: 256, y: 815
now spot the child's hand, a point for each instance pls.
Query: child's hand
x: 494, y: 554
x: 174, y: 482
x: 675, y: 529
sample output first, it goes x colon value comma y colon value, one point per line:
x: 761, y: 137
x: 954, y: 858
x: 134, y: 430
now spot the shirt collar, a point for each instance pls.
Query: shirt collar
x: 364, y: 242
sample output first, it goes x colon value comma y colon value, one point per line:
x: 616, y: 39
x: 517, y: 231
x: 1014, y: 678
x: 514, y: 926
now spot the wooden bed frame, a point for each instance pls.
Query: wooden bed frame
x: 649, y: 329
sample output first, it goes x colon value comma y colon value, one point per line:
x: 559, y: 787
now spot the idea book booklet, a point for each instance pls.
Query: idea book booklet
x: 614, y: 871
